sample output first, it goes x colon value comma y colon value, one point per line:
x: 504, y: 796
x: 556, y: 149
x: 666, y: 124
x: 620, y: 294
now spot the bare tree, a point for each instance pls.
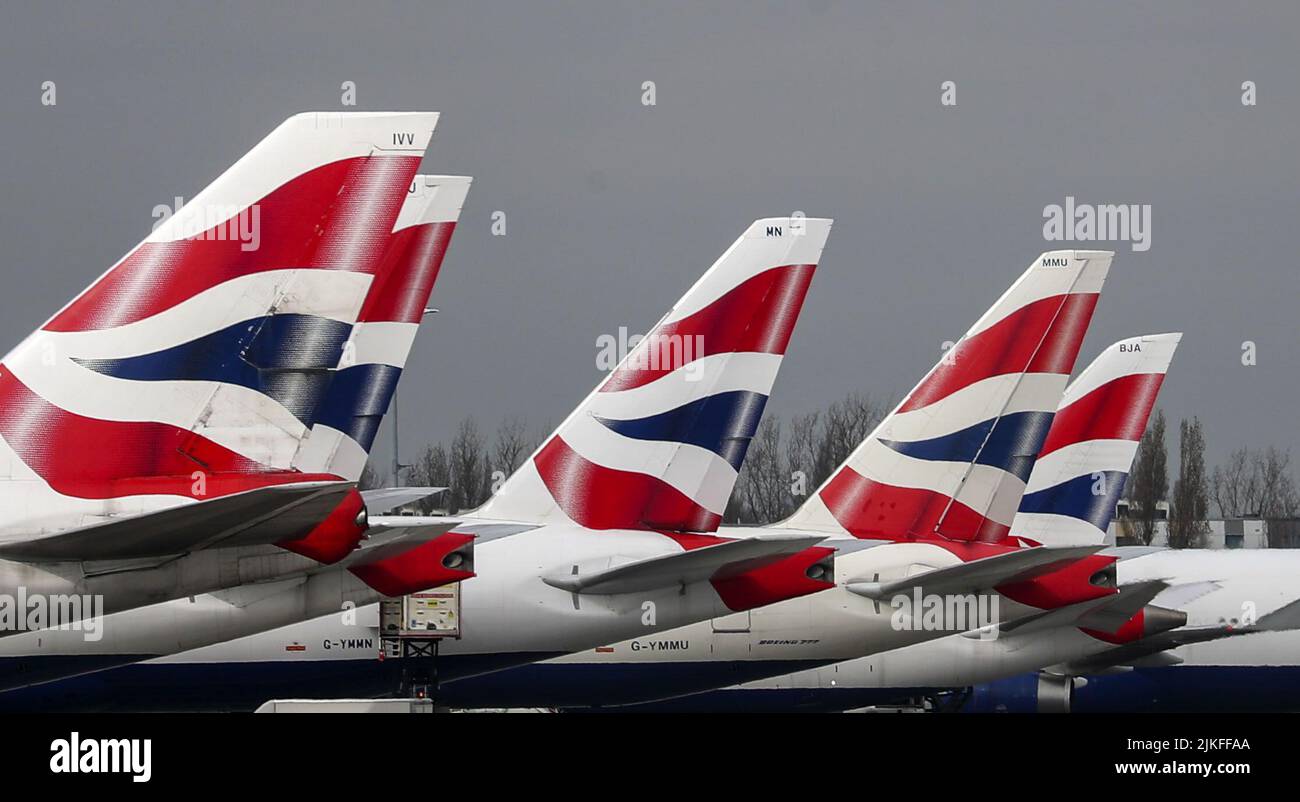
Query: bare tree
x: 466, y: 460
x: 512, y: 445
x: 764, y: 494
x: 846, y: 424
x: 801, y: 455
x: 1149, y: 481
x: 1235, y: 485
x: 775, y: 481
x: 1190, y: 505
x: 1256, y: 483
x: 1277, y: 490
x: 431, y: 469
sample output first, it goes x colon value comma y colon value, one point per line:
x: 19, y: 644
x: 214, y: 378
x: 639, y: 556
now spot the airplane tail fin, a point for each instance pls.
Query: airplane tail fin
x: 1085, y: 461
x: 202, y: 354
x: 372, y: 358
x: 952, y: 459
x: 657, y: 445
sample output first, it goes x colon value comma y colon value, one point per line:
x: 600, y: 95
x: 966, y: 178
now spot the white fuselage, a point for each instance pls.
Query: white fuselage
x: 1250, y: 584
x: 509, y: 616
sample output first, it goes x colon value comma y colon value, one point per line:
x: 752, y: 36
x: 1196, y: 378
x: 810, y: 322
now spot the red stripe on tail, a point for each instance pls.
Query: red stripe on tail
x: 598, y: 497
x: 756, y: 316
x: 335, y: 217
x: 1117, y: 410
x: 405, y: 279
x: 1012, y: 346
x: 99, y: 459
x: 870, y: 509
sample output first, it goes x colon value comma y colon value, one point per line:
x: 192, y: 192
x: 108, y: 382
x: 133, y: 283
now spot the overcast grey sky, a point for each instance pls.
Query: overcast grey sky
x: 614, y: 208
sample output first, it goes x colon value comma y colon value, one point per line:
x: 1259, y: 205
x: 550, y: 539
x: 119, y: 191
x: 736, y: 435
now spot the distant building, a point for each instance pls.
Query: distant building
x: 1284, y: 533
x: 1229, y: 533
x: 1121, y: 524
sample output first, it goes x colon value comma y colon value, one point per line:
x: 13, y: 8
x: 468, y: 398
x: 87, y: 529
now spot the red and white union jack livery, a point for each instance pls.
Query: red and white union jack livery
x: 1084, y: 463
x: 1071, y: 498
x: 606, y: 531
x: 658, y: 445
x: 371, y: 359
x: 1011, y: 370
x: 597, y: 562
x: 392, y: 561
x: 1093, y: 437
x: 952, y: 460
x: 167, y: 408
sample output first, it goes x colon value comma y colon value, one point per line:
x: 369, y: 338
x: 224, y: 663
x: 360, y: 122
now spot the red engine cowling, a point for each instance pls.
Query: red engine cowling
x: 1150, y: 620
x: 1085, y: 579
x: 335, y: 537
x: 442, y: 560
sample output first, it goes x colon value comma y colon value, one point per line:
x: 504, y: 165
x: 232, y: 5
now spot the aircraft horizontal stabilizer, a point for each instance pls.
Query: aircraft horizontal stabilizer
x: 387, y: 529
x: 1106, y: 614
x: 721, y: 561
x: 1149, y: 650
x: 382, y: 500
x: 260, y: 516
x: 978, y: 575
x: 1181, y: 595
x: 1113, y: 612
x: 1283, y: 618
x: 1141, y: 651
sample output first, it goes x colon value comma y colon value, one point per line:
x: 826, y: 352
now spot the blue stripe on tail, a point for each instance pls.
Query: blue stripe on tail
x: 1091, y: 498
x: 285, y: 357
x: 722, y: 423
x: 357, y: 399
x: 1013, y: 443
